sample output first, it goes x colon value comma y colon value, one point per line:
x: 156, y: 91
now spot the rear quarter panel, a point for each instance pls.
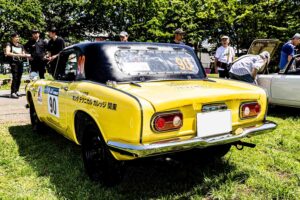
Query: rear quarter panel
x: 118, y: 115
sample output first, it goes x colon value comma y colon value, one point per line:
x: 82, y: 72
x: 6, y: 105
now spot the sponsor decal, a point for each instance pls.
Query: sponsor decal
x: 39, y: 97
x: 111, y: 106
x: 46, y: 90
x: 181, y: 86
x: 95, y: 103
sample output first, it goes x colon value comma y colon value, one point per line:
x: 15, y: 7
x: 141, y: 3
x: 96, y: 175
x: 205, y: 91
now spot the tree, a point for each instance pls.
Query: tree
x: 19, y: 16
x: 154, y: 20
x: 66, y: 15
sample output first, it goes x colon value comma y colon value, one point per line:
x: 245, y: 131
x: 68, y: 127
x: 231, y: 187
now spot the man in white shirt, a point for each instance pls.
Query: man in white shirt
x: 246, y: 67
x: 224, y: 57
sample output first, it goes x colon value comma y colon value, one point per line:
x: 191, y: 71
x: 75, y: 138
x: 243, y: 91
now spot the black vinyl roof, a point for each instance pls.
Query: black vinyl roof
x: 82, y: 46
x: 101, y: 66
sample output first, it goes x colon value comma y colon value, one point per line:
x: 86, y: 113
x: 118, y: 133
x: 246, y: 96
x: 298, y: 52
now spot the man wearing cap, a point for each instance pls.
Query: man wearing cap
x: 124, y: 36
x: 246, y: 67
x: 100, y: 38
x: 178, y: 36
x: 37, y: 48
x: 224, y: 57
x: 15, y: 54
x: 288, y: 50
x: 55, y: 45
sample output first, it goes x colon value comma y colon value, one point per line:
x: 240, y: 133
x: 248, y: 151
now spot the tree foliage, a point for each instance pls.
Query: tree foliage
x: 20, y: 16
x: 154, y: 20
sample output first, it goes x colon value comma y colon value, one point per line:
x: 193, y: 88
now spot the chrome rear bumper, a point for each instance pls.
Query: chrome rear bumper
x: 181, y: 145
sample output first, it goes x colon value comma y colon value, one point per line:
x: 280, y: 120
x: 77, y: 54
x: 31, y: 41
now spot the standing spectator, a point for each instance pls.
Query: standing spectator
x: 246, y: 67
x: 99, y: 37
x: 37, y: 48
x: 15, y: 54
x: 178, y: 36
x: 124, y: 36
x: 224, y: 57
x: 288, y: 50
x: 55, y: 45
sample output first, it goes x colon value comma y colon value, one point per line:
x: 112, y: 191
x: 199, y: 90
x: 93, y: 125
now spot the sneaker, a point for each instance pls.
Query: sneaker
x: 18, y: 94
x: 14, y: 96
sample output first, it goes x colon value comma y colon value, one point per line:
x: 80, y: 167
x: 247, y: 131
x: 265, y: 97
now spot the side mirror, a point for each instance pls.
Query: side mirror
x: 33, y: 76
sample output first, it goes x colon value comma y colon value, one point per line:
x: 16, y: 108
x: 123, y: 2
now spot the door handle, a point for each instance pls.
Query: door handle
x: 65, y: 88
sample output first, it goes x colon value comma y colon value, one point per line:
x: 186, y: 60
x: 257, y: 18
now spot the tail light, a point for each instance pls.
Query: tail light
x: 170, y: 121
x: 249, y: 110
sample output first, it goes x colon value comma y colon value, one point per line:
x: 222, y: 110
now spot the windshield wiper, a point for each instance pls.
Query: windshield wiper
x: 135, y: 84
x: 209, y: 80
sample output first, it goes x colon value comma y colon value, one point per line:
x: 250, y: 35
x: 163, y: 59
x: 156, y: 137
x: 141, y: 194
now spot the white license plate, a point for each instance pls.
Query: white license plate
x: 213, y: 123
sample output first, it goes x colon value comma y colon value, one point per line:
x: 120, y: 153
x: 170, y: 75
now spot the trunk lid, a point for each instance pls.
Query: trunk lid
x: 270, y: 45
x: 165, y: 95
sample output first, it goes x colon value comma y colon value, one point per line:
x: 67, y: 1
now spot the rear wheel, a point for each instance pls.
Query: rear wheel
x: 37, y: 125
x: 99, y: 163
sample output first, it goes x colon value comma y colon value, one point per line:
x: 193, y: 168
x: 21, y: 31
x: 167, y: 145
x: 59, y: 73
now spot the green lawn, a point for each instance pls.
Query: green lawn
x: 8, y: 76
x: 213, y: 75
x: 50, y: 167
x: 4, y: 76
x: 5, y: 86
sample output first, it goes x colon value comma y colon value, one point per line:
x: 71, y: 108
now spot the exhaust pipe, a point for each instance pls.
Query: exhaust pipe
x: 240, y: 145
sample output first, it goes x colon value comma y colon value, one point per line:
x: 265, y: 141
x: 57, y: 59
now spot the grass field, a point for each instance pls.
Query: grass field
x: 4, y: 76
x: 50, y: 167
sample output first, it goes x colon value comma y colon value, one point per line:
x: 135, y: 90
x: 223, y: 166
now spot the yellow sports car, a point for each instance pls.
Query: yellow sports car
x: 122, y: 101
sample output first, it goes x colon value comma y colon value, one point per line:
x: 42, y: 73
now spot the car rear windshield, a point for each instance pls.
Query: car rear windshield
x: 147, y: 62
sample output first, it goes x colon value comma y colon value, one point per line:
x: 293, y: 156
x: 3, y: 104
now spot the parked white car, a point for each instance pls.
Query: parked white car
x: 283, y: 88
x: 4, y: 68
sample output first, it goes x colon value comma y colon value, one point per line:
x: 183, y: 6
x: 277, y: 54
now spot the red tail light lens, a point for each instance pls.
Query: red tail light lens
x: 167, y: 121
x: 249, y: 110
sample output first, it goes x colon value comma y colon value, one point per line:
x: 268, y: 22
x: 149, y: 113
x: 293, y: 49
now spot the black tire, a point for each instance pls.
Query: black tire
x: 36, y: 124
x: 99, y: 163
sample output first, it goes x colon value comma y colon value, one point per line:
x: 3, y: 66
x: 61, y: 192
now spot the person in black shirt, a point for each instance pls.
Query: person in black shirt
x: 55, y: 45
x: 37, y: 48
x: 15, y: 54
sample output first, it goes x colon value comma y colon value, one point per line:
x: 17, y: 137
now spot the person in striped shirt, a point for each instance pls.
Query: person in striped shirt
x: 246, y: 68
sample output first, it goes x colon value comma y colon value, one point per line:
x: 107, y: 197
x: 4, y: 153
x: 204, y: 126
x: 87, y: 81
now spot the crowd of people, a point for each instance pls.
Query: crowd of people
x: 246, y: 67
x: 40, y: 53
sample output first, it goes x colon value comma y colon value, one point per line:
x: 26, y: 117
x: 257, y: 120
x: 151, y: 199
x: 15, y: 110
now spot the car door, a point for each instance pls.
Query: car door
x: 285, y: 86
x: 58, y: 98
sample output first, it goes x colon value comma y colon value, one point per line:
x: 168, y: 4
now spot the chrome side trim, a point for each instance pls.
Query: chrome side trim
x: 196, y: 142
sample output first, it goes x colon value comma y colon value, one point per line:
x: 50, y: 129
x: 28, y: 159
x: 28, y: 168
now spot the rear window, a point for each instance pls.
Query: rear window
x: 146, y: 62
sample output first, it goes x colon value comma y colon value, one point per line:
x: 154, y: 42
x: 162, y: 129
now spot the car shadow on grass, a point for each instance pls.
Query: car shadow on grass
x: 59, y: 160
x: 284, y: 112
